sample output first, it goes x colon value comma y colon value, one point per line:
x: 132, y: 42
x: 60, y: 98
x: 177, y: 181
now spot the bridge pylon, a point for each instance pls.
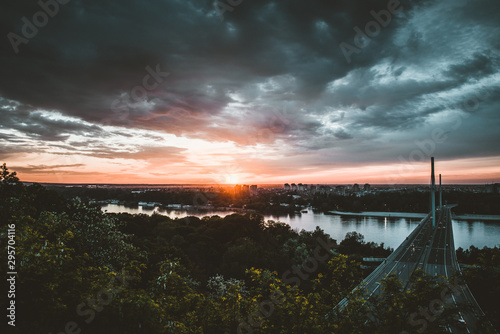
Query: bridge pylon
x: 433, y: 195
x: 440, y: 195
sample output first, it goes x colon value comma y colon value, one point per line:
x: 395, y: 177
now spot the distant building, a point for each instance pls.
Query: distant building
x: 312, y: 189
x: 294, y: 187
x: 237, y: 189
x: 355, y: 188
x: 253, y: 189
x: 340, y: 190
x: 324, y: 189
x: 245, y: 188
x: 300, y: 187
x: 366, y: 187
x: 493, y: 188
x: 287, y: 187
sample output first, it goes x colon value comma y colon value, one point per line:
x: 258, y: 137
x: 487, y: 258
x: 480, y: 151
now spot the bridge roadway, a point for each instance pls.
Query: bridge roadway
x: 432, y: 250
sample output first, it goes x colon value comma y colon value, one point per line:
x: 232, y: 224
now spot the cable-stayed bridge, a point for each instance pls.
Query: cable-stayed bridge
x: 431, y: 248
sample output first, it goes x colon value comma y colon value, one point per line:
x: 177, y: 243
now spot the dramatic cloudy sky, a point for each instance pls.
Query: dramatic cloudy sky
x: 269, y: 92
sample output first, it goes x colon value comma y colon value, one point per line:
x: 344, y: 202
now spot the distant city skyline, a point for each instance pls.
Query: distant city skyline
x: 330, y: 92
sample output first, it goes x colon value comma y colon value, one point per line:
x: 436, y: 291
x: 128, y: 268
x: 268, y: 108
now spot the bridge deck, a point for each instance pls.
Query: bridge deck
x: 432, y: 250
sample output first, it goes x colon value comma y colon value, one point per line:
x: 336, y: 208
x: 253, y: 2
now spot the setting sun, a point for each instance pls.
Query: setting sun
x: 232, y: 179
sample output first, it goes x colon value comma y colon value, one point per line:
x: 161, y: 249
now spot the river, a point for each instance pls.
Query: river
x: 390, y: 231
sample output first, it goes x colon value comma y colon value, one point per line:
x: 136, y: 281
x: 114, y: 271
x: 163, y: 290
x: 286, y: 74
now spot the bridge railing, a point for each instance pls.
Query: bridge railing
x: 468, y: 294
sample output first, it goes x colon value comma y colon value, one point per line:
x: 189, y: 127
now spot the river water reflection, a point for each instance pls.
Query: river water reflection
x: 390, y: 231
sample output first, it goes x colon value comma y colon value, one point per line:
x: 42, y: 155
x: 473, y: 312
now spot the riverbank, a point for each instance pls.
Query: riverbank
x: 380, y: 214
x: 475, y: 217
x: 413, y: 215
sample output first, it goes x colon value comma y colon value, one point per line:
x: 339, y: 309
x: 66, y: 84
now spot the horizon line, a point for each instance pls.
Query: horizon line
x: 234, y: 184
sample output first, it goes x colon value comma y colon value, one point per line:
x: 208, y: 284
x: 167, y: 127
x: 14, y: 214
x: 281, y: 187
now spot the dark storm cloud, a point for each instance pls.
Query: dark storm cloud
x: 270, y: 70
x: 92, y: 51
x: 342, y: 134
x: 479, y: 66
x: 40, y: 126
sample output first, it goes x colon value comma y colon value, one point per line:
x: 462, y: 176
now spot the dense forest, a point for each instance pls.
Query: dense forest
x: 82, y: 270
